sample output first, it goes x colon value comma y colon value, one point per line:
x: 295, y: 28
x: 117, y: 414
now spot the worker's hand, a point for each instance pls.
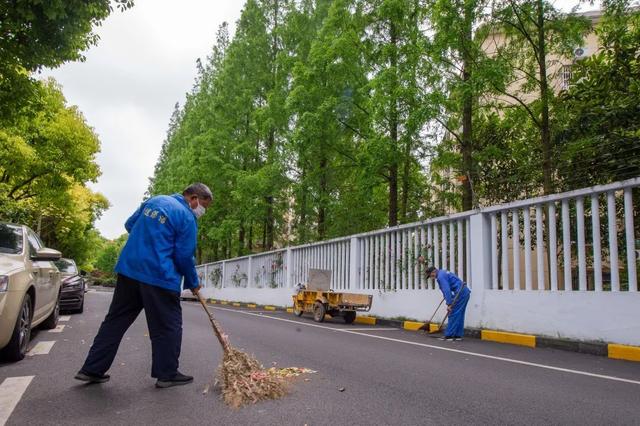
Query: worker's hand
x: 448, y: 308
x: 196, y: 290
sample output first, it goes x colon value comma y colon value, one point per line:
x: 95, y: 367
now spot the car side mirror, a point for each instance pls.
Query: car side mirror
x: 45, y: 254
x: 83, y: 273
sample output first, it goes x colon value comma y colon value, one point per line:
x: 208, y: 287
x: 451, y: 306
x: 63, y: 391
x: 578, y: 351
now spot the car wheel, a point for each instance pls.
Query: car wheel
x: 52, y: 319
x: 349, y: 317
x: 19, y: 342
x: 318, y: 312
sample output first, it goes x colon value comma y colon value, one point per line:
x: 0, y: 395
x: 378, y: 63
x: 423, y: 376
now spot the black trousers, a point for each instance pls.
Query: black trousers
x: 164, y: 319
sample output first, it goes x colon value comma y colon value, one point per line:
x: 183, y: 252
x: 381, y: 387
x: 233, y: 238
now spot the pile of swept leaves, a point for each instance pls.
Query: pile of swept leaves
x: 243, y: 380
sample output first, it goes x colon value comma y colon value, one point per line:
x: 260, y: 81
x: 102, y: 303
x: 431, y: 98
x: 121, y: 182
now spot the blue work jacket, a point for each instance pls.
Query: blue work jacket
x: 161, y: 244
x: 450, y: 284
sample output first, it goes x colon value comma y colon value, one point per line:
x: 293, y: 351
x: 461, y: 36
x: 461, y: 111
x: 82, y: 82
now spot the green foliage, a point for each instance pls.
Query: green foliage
x: 38, y: 34
x: 598, y: 135
x: 324, y: 118
x: 46, y: 159
x: 108, y: 255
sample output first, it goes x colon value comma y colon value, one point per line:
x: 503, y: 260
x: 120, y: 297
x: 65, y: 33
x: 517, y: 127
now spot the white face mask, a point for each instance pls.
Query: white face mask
x: 199, y: 211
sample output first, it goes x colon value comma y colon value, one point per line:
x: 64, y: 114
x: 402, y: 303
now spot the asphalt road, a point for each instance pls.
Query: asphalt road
x: 389, y: 376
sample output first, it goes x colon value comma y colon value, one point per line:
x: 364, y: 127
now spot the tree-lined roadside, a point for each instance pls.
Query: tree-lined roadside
x: 47, y: 149
x: 323, y: 118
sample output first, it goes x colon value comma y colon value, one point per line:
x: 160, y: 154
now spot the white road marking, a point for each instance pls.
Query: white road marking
x: 440, y: 348
x: 64, y: 318
x: 370, y: 329
x: 11, y: 390
x: 58, y: 329
x: 41, y: 348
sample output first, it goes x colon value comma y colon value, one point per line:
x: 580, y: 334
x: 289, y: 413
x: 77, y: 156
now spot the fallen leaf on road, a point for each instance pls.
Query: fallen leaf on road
x: 341, y: 389
x: 289, y: 371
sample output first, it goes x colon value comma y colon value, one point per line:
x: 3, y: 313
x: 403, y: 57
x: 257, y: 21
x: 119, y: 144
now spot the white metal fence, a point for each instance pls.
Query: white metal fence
x: 550, y: 243
x: 556, y: 242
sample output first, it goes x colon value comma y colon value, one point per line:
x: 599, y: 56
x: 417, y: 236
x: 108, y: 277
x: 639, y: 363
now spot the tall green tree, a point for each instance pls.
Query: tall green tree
x: 536, y: 37
x: 598, y: 117
x: 46, y: 159
x: 38, y: 34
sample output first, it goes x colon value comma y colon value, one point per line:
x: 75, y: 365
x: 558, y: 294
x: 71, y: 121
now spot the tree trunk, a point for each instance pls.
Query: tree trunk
x: 393, y: 134
x: 406, y: 176
x: 545, y: 128
x: 302, y: 224
x: 241, y: 237
x: 467, y: 111
x: 322, y: 207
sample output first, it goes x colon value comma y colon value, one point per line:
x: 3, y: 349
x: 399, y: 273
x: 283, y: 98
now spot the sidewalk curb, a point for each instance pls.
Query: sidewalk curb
x: 610, y: 350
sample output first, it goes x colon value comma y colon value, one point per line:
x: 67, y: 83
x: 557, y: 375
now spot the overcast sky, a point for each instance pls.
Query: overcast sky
x: 143, y: 64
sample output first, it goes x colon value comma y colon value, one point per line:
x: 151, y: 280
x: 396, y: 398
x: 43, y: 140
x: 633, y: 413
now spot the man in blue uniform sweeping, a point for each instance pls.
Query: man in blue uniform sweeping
x: 158, y: 254
x: 456, y: 295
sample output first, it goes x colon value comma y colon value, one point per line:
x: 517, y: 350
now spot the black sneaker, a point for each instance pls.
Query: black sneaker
x: 177, y: 380
x: 91, y: 378
x: 446, y: 338
x: 458, y: 339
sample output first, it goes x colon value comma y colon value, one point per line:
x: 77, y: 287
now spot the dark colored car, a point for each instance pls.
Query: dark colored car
x: 73, y: 286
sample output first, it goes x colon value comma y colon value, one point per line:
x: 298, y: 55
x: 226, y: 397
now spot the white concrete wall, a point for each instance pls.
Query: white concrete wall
x: 585, y: 316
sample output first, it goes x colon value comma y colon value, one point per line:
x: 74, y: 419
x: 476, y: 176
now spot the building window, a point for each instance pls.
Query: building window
x: 566, y: 77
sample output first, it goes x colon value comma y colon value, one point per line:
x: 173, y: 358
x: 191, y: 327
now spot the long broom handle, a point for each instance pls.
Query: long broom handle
x: 216, y: 328
x: 434, y: 312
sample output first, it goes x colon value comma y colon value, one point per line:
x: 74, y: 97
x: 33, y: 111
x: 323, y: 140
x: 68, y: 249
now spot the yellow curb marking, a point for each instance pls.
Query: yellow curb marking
x: 365, y: 320
x: 629, y: 353
x: 512, y: 338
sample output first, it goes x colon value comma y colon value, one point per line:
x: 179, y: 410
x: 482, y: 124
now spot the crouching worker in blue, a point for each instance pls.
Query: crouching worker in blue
x: 157, y: 256
x: 456, y: 295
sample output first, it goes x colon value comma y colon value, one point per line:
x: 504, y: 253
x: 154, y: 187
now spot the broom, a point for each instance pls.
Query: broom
x: 242, y: 378
x: 427, y: 325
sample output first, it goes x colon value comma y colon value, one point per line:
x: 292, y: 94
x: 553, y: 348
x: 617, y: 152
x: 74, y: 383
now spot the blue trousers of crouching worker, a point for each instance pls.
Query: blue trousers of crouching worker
x: 164, y: 320
x: 455, y: 328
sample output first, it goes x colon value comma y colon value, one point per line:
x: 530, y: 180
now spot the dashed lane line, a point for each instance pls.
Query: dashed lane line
x: 41, y: 348
x: 440, y: 348
x: 11, y: 390
x: 58, y: 329
x: 64, y: 318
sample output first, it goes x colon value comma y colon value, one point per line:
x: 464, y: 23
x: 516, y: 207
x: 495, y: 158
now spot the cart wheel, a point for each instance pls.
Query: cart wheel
x: 297, y: 311
x: 349, y: 317
x: 318, y: 312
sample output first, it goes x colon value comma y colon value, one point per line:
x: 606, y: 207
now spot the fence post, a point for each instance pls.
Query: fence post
x: 250, y: 272
x: 288, y: 270
x: 205, y: 284
x: 354, y: 263
x: 223, y: 275
x: 480, y: 252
